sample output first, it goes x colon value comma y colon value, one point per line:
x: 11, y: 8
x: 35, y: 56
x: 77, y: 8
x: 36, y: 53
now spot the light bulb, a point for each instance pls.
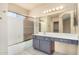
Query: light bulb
x: 49, y: 10
x: 57, y: 8
x: 44, y: 12
x: 61, y: 7
x: 34, y: 16
x: 53, y: 9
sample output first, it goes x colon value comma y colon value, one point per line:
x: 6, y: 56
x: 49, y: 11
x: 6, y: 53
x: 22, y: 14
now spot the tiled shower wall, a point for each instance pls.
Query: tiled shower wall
x: 28, y: 28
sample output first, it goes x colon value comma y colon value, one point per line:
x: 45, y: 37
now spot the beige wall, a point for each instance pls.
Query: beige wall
x: 66, y: 26
x: 17, y: 9
x: 78, y: 49
x: 78, y: 20
x: 64, y: 48
x: 78, y: 28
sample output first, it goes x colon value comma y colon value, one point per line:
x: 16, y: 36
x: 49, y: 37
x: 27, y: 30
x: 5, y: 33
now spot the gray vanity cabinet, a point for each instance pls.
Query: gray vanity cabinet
x: 46, y: 45
x: 36, y: 42
x: 43, y: 44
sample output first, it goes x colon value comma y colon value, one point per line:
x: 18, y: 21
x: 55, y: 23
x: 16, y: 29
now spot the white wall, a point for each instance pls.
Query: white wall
x: 3, y: 29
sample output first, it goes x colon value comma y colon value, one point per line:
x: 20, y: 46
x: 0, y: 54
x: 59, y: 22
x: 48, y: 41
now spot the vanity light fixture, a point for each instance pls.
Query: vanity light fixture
x: 57, y: 8
x: 61, y: 7
x: 34, y: 16
x: 54, y: 9
x: 49, y: 10
x: 44, y: 12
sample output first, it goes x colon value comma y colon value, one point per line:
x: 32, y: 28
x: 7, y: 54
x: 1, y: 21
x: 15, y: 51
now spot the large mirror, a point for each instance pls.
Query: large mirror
x: 65, y: 21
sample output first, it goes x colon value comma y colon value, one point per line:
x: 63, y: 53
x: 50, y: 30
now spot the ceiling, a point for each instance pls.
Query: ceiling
x: 29, y: 6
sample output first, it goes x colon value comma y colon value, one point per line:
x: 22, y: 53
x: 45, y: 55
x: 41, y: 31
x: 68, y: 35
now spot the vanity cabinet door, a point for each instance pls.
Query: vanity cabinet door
x: 36, y: 43
x: 46, y: 45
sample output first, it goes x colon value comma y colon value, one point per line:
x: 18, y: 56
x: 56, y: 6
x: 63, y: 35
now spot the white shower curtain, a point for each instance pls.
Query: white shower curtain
x: 15, y: 30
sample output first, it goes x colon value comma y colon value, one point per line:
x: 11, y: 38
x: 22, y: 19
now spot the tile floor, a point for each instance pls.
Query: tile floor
x: 25, y: 48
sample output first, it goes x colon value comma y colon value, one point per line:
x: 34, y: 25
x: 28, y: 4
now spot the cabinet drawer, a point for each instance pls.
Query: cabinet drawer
x: 39, y: 37
x: 68, y: 41
x: 47, y: 38
x: 55, y: 39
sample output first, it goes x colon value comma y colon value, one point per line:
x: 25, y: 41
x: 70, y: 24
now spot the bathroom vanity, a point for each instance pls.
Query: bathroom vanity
x: 46, y: 41
x: 43, y: 43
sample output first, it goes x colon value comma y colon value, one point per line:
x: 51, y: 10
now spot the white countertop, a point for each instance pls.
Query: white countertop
x: 59, y: 35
